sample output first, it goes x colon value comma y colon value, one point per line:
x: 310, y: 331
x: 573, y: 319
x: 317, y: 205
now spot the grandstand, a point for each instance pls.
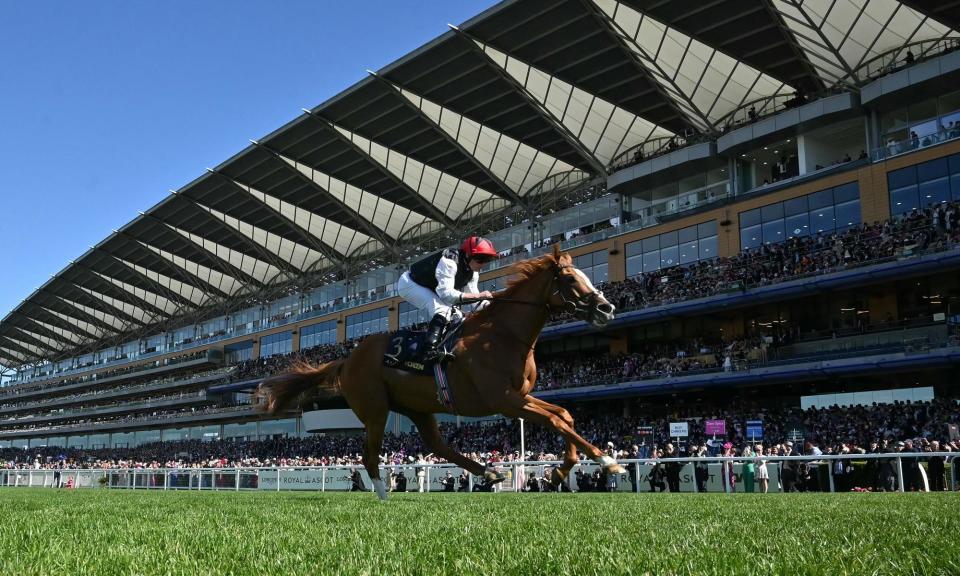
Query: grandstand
x: 768, y: 191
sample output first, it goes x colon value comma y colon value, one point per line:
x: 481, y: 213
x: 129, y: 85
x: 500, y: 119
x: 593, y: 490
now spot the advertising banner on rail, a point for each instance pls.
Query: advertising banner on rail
x: 654, y: 477
x: 643, y: 477
x: 341, y: 479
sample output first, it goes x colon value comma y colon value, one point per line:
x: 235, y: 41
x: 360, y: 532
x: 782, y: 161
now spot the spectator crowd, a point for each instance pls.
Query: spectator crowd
x: 899, y: 427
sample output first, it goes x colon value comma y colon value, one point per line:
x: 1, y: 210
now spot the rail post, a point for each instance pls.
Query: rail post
x: 830, y: 465
x: 900, y: 473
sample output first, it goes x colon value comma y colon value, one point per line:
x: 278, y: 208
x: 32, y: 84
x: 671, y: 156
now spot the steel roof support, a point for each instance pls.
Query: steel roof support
x: 430, y: 211
x: 222, y: 265
x: 504, y: 190
x: 310, y: 241
x: 262, y: 253
x: 368, y: 227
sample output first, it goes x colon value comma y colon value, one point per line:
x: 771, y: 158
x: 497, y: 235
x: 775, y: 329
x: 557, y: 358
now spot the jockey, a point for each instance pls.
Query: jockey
x: 443, y: 280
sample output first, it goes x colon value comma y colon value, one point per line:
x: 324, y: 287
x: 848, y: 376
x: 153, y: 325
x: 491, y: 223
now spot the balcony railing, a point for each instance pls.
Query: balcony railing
x: 754, y: 110
x: 651, y: 149
x: 902, y: 57
x: 907, y: 145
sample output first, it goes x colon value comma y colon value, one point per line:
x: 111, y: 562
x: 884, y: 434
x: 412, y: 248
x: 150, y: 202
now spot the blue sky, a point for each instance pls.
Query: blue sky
x: 107, y: 105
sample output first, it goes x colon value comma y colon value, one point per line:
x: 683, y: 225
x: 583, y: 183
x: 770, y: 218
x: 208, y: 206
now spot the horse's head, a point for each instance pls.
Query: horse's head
x: 575, y: 293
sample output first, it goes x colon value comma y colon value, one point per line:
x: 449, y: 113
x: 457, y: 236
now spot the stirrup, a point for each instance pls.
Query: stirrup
x: 442, y: 356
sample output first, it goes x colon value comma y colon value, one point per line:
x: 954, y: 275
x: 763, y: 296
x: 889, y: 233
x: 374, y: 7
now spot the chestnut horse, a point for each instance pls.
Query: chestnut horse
x: 493, y: 371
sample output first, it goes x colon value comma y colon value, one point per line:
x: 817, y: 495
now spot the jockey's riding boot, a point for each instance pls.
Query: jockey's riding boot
x: 434, y: 332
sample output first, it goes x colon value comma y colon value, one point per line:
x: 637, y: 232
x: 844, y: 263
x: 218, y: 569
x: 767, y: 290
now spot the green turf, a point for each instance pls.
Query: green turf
x: 44, y: 531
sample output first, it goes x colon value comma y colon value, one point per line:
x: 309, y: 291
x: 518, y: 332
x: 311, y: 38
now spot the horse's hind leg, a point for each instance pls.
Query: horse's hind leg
x: 375, y: 423
x: 430, y: 432
x: 570, y: 455
x: 362, y: 385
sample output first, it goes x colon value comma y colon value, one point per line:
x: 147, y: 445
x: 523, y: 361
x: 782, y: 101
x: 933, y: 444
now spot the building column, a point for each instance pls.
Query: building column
x: 295, y: 340
x: 874, y: 195
x: 393, y: 320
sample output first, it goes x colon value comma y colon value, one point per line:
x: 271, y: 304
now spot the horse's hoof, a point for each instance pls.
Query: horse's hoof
x: 491, y: 475
x: 616, y: 469
x: 381, y: 490
x: 557, y: 477
x: 611, y: 466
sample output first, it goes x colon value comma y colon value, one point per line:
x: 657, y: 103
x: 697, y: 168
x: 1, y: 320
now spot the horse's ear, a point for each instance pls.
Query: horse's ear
x: 556, y: 251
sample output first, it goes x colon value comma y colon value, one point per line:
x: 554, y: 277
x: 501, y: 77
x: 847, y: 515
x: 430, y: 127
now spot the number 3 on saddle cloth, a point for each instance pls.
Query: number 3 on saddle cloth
x: 403, y: 354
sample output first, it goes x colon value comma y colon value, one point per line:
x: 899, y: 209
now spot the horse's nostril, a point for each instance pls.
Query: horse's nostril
x: 605, y: 308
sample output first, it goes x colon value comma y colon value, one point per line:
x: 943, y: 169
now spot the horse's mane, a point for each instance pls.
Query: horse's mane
x: 524, y: 270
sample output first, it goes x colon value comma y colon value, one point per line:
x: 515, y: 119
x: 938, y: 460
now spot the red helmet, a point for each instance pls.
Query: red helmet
x: 477, y: 246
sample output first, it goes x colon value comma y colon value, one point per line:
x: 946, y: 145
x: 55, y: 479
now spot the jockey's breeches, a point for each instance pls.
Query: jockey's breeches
x: 421, y: 296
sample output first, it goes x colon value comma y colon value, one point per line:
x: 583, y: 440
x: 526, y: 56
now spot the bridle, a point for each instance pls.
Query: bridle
x: 578, y: 305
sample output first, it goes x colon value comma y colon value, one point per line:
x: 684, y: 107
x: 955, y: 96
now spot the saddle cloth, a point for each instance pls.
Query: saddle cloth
x: 402, y: 354
x: 402, y: 351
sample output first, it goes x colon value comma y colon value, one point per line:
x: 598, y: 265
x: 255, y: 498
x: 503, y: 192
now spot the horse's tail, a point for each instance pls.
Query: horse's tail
x: 318, y: 382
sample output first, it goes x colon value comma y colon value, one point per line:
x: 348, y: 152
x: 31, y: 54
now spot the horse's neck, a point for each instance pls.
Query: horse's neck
x: 524, y: 322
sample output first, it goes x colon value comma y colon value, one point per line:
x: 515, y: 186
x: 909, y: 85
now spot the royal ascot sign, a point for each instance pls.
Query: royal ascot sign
x: 340, y: 479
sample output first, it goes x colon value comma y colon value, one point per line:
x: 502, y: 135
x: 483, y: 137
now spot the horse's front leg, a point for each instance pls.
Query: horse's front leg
x: 570, y: 458
x: 525, y: 407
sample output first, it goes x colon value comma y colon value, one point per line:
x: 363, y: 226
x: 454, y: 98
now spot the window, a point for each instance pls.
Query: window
x: 684, y: 246
x: 823, y: 212
x: 273, y: 344
x: 919, y: 186
x: 279, y: 428
x: 594, y: 265
x: 318, y: 334
x: 410, y: 315
x: 366, y: 323
x: 238, y: 352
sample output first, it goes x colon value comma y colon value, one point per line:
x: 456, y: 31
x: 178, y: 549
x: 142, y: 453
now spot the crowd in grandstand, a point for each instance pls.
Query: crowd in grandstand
x: 655, y: 361
x: 835, y: 430
x: 901, y: 427
x: 262, y: 367
x: 932, y: 229
x: 14, y: 388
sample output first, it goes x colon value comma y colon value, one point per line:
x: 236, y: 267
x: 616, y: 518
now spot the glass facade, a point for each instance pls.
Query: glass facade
x: 689, y: 192
x: 274, y: 428
x: 409, y: 315
x: 921, y: 185
x: 210, y: 432
x: 369, y: 322
x: 240, y: 430
x: 318, y: 334
x: 145, y: 436
x: 831, y: 210
x: 238, y: 352
x: 594, y: 265
x: 684, y: 246
x: 868, y: 398
x: 494, y: 284
x: 273, y: 344
x: 922, y: 118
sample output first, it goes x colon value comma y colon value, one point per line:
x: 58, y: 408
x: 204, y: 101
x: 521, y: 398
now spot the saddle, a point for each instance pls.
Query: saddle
x: 403, y: 350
